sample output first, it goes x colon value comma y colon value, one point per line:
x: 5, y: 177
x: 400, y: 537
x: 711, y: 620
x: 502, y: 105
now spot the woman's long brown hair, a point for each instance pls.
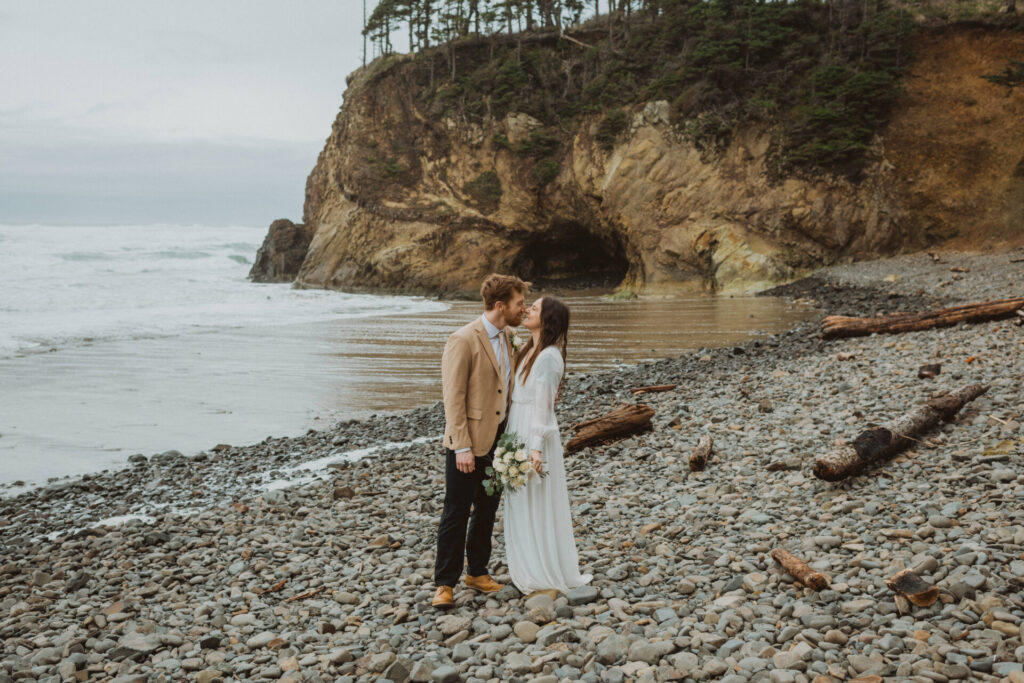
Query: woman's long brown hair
x: 554, y: 331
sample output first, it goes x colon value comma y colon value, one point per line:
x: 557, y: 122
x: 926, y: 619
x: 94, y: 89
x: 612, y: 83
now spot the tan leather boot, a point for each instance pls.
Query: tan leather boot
x: 443, y: 598
x: 484, y: 584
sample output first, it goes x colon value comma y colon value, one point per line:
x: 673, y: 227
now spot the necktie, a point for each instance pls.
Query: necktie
x: 502, y: 362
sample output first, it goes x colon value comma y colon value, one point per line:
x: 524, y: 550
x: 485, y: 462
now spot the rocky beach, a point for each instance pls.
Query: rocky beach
x: 311, y: 558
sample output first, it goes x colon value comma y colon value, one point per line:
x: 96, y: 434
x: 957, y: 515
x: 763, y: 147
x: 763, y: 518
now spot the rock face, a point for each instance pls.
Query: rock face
x: 283, y: 251
x: 405, y: 200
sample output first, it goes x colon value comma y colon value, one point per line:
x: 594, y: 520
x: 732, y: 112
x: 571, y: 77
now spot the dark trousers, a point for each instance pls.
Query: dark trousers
x: 465, y: 504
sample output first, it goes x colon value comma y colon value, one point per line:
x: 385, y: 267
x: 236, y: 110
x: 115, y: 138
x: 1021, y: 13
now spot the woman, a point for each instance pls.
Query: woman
x: 539, y: 544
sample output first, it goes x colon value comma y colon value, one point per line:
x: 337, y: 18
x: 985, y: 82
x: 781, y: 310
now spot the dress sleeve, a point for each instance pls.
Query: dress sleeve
x: 548, y: 375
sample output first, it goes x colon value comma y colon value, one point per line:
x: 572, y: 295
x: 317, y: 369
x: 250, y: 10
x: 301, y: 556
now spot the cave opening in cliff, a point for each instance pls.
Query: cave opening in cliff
x: 569, y: 255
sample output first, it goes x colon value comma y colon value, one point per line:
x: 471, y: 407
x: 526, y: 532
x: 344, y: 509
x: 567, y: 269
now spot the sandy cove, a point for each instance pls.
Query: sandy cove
x: 330, y: 578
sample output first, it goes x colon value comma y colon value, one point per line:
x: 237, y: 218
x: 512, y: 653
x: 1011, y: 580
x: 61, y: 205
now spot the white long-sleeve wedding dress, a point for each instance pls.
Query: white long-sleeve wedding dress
x: 539, y: 545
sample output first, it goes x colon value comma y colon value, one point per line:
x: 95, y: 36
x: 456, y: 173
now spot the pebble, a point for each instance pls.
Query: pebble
x: 526, y: 631
x: 444, y: 674
x: 612, y: 650
x: 582, y: 595
x: 651, y: 653
x: 331, y: 579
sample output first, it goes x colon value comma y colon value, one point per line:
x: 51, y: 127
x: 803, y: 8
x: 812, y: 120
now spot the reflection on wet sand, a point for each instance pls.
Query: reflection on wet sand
x: 394, y: 363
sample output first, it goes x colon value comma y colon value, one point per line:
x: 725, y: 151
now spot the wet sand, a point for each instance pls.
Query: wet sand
x: 84, y: 408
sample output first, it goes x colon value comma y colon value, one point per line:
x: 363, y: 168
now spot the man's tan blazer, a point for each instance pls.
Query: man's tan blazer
x: 476, y: 397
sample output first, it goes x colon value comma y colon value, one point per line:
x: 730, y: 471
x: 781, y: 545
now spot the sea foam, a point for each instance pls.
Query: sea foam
x: 72, y: 285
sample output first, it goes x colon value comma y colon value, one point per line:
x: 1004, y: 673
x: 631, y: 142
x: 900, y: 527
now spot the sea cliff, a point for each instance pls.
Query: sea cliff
x: 405, y: 198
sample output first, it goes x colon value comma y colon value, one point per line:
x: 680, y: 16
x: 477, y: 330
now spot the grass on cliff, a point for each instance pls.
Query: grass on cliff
x: 823, y: 76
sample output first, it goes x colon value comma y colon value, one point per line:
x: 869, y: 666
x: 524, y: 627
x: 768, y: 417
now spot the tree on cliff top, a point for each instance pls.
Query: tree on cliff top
x: 455, y: 19
x: 822, y: 74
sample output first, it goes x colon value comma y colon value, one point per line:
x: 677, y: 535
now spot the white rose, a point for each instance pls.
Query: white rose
x: 500, y: 466
x: 524, y: 468
x: 520, y: 455
x: 499, y: 451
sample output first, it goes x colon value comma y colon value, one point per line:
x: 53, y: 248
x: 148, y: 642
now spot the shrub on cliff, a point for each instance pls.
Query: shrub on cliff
x: 545, y: 171
x: 485, y: 192
x: 611, y: 126
x: 1011, y: 76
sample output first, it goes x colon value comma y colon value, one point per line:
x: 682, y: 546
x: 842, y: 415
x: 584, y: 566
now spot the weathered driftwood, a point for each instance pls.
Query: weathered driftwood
x: 653, y: 389
x: 908, y: 584
x: 902, y: 604
x: 307, y: 594
x: 884, y: 442
x: 273, y: 589
x: 700, y: 455
x: 840, y: 326
x: 799, y: 570
x: 618, y: 424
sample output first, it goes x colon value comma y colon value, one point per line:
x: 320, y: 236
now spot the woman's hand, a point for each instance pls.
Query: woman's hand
x: 537, y: 463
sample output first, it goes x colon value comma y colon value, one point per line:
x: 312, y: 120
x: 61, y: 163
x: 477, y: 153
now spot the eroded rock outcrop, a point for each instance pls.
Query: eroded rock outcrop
x: 283, y: 251
x: 406, y: 200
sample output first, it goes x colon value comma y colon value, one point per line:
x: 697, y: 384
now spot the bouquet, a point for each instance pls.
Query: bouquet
x: 511, y: 466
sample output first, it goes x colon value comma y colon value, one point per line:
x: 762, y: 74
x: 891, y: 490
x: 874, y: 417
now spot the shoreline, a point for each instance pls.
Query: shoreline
x: 861, y: 294
x: 682, y: 578
x: 148, y: 396
x: 368, y: 433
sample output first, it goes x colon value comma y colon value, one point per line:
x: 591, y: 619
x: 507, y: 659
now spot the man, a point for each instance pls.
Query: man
x: 476, y: 375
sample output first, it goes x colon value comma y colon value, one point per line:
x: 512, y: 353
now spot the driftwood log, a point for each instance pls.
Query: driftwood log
x: 700, y: 455
x: 799, y: 570
x: 915, y: 589
x: 902, y: 604
x: 618, y: 424
x: 651, y: 390
x: 840, y: 326
x: 880, y: 443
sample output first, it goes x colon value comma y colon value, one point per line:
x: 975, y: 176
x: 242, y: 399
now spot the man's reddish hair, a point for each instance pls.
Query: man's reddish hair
x: 498, y: 287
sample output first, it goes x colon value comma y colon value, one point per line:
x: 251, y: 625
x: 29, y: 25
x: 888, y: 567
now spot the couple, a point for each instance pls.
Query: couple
x: 490, y: 388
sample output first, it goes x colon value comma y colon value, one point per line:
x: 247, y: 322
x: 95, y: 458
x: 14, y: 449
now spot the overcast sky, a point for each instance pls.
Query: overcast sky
x: 192, y: 111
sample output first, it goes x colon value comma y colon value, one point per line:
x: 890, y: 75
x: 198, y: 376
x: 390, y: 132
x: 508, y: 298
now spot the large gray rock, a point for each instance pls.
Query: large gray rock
x: 444, y: 674
x: 582, y: 595
x: 555, y: 633
x: 450, y: 624
x: 48, y: 655
x: 135, y: 644
x: 518, y: 663
x: 651, y: 653
x: 398, y: 672
x: 612, y: 650
x: 283, y: 251
x: 260, y: 640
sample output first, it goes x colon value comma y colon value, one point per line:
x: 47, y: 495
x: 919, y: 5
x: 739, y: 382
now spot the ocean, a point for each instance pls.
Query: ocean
x: 117, y: 340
